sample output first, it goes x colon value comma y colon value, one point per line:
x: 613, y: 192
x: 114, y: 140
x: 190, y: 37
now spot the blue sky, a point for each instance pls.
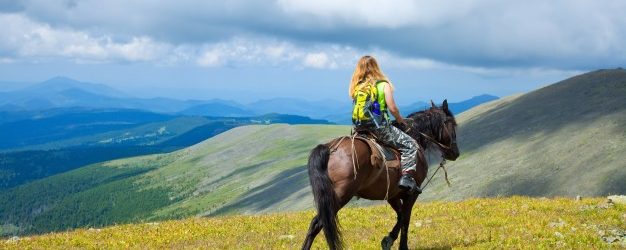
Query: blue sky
x: 248, y: 50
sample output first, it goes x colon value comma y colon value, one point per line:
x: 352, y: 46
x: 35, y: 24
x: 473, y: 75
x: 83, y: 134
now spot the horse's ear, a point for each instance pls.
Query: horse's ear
x: 432, y: 104
x: 445, y: 104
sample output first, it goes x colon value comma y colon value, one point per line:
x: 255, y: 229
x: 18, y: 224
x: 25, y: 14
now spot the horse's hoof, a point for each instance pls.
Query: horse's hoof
x: 386, y: 243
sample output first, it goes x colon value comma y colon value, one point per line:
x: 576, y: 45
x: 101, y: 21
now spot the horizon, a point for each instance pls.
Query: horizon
x: 26, y: 85
x: 236, y: 95
x: 198, y: 50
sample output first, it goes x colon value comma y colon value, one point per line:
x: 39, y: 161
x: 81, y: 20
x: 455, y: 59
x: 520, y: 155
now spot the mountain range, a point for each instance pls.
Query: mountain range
x: 62, y: 92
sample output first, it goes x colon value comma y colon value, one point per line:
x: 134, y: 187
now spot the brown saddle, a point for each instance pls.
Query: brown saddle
x: 382, y: 155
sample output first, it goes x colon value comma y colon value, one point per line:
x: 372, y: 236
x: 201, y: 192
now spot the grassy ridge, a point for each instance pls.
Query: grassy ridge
x: 516, y: 222
x: 565, y: 139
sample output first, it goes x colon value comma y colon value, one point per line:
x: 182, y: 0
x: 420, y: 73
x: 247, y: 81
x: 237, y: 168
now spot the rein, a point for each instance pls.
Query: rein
x: 443, y: 160
x: 441, y: 165
x: 434, y: 141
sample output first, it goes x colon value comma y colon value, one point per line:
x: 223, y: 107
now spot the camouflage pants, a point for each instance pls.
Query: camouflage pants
x: 394, y: 137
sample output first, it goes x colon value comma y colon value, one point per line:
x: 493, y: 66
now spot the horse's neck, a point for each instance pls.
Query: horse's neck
x: 427, y: 129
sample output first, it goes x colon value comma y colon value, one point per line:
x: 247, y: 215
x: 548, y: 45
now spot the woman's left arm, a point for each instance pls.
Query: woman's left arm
x: 391, y: 103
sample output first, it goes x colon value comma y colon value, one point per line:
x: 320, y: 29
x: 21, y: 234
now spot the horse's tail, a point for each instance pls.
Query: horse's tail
x: 324, y: 195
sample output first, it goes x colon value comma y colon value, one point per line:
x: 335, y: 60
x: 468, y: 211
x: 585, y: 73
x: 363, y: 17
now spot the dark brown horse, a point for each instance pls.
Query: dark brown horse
x: 338, y: 174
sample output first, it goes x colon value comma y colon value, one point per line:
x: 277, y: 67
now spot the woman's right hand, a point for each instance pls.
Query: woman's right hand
x: 401, y: 121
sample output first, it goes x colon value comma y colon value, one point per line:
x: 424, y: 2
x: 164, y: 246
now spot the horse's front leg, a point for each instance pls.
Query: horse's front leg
x: 407, y: 207
x: 387, y: 242
x: 314, y: 229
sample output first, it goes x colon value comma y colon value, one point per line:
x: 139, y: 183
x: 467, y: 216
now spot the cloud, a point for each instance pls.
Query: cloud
x: 377, y: 13
x: 244, y: 52
x: 25, y: 39
x: 28, y: 40
x: 209, y: 58
x: 560, y: 34
x: 318, y: 60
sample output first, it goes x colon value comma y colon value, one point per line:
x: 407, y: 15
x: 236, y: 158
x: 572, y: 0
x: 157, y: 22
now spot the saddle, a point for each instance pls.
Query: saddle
x: 382, y: 156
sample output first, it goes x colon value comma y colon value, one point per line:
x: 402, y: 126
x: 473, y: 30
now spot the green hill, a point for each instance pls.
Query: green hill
x: 247, y: 169
x: 505, y: 223
x: 568, y: 138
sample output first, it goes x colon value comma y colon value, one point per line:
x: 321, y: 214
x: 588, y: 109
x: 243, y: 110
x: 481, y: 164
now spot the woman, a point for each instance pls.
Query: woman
x: 368, y: 75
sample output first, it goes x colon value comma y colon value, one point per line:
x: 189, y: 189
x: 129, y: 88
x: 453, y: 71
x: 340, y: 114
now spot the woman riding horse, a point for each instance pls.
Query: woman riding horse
x: 333, y: 169
x: 368, y: 75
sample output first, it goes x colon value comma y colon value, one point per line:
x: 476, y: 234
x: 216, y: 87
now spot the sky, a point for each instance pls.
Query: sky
x: 245, y: 50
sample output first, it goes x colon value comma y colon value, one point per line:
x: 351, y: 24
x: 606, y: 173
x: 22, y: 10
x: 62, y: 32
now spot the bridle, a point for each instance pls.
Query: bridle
x: 442, y: 147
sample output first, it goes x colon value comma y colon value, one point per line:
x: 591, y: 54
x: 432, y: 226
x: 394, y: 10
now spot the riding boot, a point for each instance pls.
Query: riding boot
x: 408, y: 183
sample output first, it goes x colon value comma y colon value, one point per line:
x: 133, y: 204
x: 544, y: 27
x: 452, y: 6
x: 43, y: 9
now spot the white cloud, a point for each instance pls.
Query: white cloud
x: 317, y: 60
x: 209, y: 58
x: 245, y: 52
x: 378, y: 13
x: 559, y: 34
x: 138, y: 49
x: 25, y: 38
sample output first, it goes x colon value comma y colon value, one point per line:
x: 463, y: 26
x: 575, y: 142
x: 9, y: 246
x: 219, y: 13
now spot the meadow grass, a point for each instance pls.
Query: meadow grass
x: 515, y: 222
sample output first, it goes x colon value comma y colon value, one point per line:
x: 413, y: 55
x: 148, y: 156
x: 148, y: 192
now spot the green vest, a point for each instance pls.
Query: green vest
x: 380, y: 89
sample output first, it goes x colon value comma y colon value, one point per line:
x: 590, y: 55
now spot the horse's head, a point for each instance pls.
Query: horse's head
x: 448, y: 135
x: 435, y: 126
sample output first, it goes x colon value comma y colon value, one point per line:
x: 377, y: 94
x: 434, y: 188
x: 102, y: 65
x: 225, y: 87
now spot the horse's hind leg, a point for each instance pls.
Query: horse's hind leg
x: 407, y: 207
x: 314, y: 229
x: 387, y: 242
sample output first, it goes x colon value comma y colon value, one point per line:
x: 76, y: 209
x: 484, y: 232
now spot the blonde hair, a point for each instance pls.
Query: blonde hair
x: 366, y: 71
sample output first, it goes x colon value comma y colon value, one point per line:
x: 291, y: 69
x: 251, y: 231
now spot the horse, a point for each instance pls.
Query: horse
x: 342, y: 169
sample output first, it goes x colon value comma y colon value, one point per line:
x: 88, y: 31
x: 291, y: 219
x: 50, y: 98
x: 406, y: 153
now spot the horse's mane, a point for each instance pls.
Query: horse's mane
x: 427, y: 120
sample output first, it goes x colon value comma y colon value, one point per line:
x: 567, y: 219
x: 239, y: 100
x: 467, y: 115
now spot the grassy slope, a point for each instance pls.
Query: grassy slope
x: 568, y: 138
x: 247, y: 169
x: 504, y: 223
x: 251, y: 169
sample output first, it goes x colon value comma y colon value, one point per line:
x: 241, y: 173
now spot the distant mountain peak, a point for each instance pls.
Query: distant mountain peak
x: 62, y: 83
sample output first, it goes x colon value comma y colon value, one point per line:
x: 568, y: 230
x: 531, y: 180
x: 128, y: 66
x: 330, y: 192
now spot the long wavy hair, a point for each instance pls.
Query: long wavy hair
x: 366, y: 72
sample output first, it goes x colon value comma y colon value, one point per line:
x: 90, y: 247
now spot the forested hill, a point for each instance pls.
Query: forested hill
x: 249, y: 169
